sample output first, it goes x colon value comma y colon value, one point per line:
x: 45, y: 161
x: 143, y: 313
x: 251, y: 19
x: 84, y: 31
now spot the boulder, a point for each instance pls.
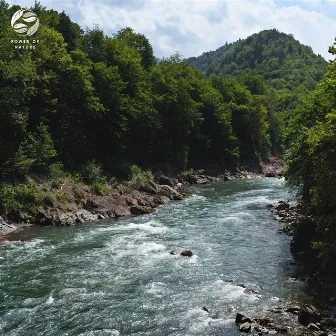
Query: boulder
x: 150, y: 187
x: 282, y: 206
x: 309, y: 314
x: 265, y: 320
x: 186, y: 253
x: 164, y: 180
x: 245, y: 327
x: 140, y: 210
x: 240, y: 318
x: 205, y: 309
x: 170, y: 192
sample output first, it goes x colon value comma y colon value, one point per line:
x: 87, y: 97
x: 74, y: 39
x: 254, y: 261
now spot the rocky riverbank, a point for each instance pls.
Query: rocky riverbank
x: 78, y: 203
x: 293, y: 319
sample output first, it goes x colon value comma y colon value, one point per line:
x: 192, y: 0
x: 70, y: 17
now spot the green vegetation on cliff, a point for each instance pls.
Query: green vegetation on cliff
x: 311, y: 165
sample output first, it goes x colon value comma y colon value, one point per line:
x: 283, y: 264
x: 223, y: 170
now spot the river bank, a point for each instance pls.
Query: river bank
x: 77, y: 203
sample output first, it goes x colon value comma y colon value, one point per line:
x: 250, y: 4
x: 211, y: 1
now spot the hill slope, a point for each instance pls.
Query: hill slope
x: 289, y: 68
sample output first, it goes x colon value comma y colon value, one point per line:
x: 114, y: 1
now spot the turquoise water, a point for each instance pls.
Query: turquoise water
x: 119, y: 278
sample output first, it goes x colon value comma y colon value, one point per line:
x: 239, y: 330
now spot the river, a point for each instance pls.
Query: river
x: 119, y: 278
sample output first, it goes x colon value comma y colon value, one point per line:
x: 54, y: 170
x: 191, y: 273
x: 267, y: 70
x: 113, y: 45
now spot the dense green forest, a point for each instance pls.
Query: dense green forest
x: 289, y: 69
x: 311, y: 165
x: 82, y: 96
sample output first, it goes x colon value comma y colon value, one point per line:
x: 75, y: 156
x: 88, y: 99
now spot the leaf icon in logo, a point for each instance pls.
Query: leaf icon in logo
x: 28, y: 14
x: 30, y: 19
x: 16, y: 16
x: 21, y: 30
x: 20, y: 25
x: 33, y: 28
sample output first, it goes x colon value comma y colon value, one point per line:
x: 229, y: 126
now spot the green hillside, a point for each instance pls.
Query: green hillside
x: 289, y: 68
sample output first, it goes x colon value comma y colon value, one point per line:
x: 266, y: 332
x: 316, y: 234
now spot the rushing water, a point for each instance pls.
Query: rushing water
x: 119, y: 278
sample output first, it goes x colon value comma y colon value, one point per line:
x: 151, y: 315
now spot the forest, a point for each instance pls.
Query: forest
x: 83, y: 102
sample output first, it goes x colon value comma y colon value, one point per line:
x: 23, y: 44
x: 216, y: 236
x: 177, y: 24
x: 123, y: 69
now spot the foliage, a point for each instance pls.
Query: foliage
x: 92, y: 172
x: 20, y: 197
x: 138, y: 177
x: 99, y: 187
x: 311, y: 161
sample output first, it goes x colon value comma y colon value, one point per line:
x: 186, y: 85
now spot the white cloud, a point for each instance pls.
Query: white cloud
x: 195, y: 26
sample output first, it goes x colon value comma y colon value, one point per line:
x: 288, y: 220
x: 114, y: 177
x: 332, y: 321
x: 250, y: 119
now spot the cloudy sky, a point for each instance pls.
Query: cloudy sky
x: 195, y: 26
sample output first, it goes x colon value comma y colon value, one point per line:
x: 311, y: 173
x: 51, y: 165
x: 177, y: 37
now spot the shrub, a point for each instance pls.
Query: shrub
x: 61, y: 196
x: 48, y: 199
x: 92, y: 172
x: 138, y: 178
x: 100, y: 187
x: 20, y: 197
x: 57, y: 171
x: 79, y: 195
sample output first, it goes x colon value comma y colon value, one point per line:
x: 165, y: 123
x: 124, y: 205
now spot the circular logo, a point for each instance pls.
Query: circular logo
x: 25, y: 16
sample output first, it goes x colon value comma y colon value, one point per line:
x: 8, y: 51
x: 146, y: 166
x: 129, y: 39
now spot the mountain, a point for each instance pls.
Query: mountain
x: 289, y: 68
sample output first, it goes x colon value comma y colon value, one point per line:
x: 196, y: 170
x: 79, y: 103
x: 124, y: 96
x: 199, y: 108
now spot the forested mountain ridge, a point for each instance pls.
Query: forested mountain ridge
x: 289, y: 68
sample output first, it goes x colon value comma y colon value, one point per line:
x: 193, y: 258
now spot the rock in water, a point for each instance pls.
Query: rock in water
x: 245, y: 327
x: 265, y: 320
x: 186, y: 253
x: 309, y: 314
x: 240, y: 318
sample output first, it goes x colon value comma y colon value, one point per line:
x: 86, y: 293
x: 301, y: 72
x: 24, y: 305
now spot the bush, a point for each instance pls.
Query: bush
x: 138, y: 178
x: 79, y: 195
x: 49, y: 199
x: 57, y: 171
x: 61, y: 196
x: 100, y: 187
x: 21, y: 197
x: 92, y: 172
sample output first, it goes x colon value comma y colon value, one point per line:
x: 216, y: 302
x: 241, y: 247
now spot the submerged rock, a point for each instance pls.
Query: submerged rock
x: 186, y: 253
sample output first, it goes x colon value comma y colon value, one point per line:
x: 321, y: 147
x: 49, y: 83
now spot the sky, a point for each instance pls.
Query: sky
x: 192, y: 27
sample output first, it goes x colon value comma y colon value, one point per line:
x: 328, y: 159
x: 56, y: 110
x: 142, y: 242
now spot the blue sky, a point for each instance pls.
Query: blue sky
x: 195, y: 26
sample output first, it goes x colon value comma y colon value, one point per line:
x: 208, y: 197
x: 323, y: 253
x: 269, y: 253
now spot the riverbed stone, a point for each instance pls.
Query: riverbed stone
x: 265, y: 320
x: 281, y: 329
x: 245, y: 327
x: 186, y: 253
x: 293, y: 309
x: 240, y: 318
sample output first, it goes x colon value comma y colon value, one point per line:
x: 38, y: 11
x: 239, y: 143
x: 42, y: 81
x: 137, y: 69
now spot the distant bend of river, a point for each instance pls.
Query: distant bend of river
x: 119, y: 278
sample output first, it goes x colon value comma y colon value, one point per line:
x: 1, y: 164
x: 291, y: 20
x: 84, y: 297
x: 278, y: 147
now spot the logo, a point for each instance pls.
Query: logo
x: 26, y: 16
